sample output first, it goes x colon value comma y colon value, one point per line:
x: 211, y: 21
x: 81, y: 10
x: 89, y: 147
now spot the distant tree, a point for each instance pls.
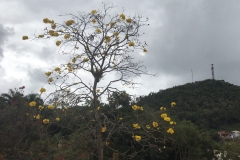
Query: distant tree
x: 119, y: 99
x: 13, y: 97
x: 34, y: 97
x: 191, y: 143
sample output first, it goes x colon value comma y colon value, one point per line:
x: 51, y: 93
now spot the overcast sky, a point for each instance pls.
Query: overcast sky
x: 182, y: 36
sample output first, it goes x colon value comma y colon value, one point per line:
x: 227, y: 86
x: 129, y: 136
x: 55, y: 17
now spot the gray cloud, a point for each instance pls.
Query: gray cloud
x: 182, y: 35
x: 37, y: 75
x: 5, y: 32
x: 193, y: 36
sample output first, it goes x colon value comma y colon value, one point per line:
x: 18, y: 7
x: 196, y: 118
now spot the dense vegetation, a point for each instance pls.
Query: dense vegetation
x: 202, y: 108
x: 209, y: 104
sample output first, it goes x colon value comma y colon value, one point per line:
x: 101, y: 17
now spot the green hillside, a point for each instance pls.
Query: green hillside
x: 210, y: 104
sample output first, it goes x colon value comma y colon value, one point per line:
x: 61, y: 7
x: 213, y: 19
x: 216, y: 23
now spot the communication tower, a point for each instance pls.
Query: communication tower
x: 212, y: 68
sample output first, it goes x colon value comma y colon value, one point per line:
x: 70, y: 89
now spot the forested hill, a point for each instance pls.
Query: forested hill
x: 209, y: 103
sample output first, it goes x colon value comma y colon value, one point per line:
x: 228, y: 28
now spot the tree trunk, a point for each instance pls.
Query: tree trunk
x: 99, y: 143
x: 99, y: 127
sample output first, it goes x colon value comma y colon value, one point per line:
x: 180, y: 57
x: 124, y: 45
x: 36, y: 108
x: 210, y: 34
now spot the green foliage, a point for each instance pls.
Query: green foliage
x: 18, y: 130
x: 117, y: 99
x: 74, y: 136
x: 191, y: 143
x: 208, y: 104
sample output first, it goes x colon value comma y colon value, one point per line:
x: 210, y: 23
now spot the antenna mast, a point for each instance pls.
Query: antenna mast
x: 192, y: 75
x: 212, y: 72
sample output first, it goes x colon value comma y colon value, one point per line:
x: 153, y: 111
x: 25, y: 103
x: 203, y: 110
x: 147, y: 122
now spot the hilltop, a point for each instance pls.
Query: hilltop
x: 210, y: 104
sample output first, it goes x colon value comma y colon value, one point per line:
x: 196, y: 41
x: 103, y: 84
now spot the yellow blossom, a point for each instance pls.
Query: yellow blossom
x: 66, y: 36
x: 155, y: 124
x: 115, y: 34
x: 50, y: 107
x: 54, y: 34
x: 74, y: 60
x: 85, y: 59
x: 120, y: 118
x: 137, y: 138
x: 148, y: 126
x: 53, y: 26
x: 69, y: 22
x: 167, y: 119
x: 136, y: 126
x: 122, y: 16
x: 145, y: 50
x: 51, y: 32
x: 48, y: 73
x: 37, y: 117
x: 50, y: 79
x: 170, y: 130
x: 58, y: 43
x: 42, y: 90
x: 163, y: 115
x: 46, y: 121
x: 40, y: 36
x: 24, y: 37
x: 57, y: 119
x: 141, y: 108
x: 94, y: 21
x: 27, y: 114
x: 134, y: 107
x: 93, y: 12
x: 104, y: 129
x: 40, y: 107
x: 129, y: 20
x: 98, y: 108
x: 171, y: 122
x: 98, y: 31
x: 112, y: 24
x: 32, y: 104
x: 46, y: 20
x: 57, y: 69
x: 173, y: 104
x: 107, y: 39
x: 161, y: 108
x: 131, y: 44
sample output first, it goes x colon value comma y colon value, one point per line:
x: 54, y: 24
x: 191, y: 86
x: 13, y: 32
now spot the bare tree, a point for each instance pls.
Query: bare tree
x: 98, y: 44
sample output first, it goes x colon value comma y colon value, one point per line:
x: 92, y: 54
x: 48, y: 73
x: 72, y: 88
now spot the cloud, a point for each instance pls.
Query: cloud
x: 37, y: 75
x: 5, y: 32
x: 182, y: 36
x: 193, y: 36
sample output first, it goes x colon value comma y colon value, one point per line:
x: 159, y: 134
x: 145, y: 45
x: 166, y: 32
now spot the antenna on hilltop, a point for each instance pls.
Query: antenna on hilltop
x: 212, y: 68
x: 192, y: 75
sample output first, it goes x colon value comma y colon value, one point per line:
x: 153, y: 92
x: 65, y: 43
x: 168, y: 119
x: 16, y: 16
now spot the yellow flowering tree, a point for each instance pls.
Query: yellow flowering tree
x: 97, y: 44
